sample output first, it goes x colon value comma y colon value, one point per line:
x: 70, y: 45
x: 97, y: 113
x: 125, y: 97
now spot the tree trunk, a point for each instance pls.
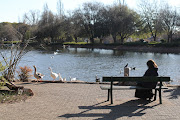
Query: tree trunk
x: 122, y: 40
x: 101, y: 39
x: 92, y: 40
x: 13, y: 87
x: 75, y: 39
x: 170, y: 37
x: 17, y: 88
x: 114, y: 38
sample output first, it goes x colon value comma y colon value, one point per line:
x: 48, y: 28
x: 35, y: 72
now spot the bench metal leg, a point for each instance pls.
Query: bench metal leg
x: 111, y: 96
x: 160, y: 99
x: 111, y: 91
x: 155, y: 94
x: 108, y: 94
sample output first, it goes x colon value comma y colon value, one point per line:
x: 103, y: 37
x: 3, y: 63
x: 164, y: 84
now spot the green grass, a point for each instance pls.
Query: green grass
x: 10, y: 42
x: 74, y: 43
x: 154, y: 43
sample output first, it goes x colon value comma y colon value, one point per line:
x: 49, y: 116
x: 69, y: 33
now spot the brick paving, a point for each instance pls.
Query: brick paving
x: 72, y: 101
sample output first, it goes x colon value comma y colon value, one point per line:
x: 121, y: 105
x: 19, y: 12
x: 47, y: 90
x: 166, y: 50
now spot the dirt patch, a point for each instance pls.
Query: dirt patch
x: 9, y: 97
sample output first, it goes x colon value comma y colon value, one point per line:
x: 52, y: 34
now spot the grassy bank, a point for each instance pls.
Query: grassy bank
x: 134, y: 46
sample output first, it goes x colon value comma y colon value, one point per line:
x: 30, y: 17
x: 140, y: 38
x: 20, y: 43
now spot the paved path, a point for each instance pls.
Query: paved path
x: 65, y: 101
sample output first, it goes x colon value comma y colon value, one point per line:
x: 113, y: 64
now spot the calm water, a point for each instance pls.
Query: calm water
x: 85, y: 64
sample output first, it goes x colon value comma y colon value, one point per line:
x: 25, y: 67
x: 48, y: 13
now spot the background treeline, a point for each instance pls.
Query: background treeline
x: 95, y: 21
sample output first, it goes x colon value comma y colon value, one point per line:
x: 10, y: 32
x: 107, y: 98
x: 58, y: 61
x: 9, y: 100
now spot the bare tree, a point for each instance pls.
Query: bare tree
x: 10, y: 33
x: 10, y: 61
x: 48, y: 26
x: 170, y: 19
x: 150, y: 14
x: 32, y: 17
x: 122, y: 22
x: 88, y: 18
x: 60, y: 9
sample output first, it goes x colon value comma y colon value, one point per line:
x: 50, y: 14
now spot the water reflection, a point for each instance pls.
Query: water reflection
x: 85, y: 64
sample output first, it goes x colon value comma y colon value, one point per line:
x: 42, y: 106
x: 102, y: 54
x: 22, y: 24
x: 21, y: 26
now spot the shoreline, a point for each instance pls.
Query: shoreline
x: 84, y: 82
x: 175, y: 50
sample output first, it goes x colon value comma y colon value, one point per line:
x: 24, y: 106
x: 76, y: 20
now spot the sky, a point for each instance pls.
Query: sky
x: 13, y: 10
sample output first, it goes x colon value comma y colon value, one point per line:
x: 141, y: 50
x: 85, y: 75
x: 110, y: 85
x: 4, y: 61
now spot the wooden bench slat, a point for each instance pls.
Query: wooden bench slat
x: 106, y: 87
x: 136, y: 79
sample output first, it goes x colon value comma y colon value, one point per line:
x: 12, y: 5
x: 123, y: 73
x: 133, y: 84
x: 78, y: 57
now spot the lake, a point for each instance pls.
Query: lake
x: 85, y: 64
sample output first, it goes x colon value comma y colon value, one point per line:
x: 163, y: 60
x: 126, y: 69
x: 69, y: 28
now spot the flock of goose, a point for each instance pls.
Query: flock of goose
x: 54, y: 75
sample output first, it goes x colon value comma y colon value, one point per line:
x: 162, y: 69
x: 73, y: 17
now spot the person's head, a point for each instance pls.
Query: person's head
x: 151, y: 64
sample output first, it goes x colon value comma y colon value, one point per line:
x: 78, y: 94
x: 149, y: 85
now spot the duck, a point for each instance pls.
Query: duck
x: 97, y: 79
x: 37, y: 75
x: 53, y: 74
x: 55, y: 53
x: 60, y: 78
x: 52, y: 56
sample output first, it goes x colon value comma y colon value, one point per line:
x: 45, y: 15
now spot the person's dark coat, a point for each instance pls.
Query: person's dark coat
x: 144, y: 94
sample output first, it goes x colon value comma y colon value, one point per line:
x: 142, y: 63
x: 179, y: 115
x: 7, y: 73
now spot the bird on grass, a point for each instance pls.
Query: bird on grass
x: 53, y: 74
x: 37, y: 75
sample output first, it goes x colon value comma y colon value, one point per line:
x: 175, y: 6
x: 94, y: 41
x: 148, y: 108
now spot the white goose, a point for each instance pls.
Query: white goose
x: 72, y: 79
x: 53, y: 75
x: 127, y: 69
x: 60, y: 78
x: 37, y: 75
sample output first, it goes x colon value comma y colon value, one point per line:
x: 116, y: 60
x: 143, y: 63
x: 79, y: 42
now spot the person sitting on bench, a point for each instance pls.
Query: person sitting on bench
x: 147, y: 93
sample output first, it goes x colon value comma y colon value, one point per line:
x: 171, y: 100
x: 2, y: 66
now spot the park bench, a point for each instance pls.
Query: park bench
x: 112, y: 86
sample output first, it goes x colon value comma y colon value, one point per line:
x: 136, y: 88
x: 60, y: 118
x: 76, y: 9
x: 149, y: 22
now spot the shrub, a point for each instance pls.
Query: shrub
x: 137, y: 43
x: 163, y: 40
x: 2, y: 81
x: 24, y: 73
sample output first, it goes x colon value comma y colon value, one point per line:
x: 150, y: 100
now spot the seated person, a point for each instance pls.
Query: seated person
x: 147, y: 93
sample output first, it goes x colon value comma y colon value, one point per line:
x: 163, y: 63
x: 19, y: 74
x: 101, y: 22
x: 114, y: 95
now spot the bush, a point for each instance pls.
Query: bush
x: 2, y: 81
x: 24, y: 73
x: 137, y: 43
x: 163, y: 40
x: 154, y: 43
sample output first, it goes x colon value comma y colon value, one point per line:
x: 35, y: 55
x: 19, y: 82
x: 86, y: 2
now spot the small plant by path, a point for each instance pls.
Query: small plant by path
x: 24, y: 73
x: 7, y: 96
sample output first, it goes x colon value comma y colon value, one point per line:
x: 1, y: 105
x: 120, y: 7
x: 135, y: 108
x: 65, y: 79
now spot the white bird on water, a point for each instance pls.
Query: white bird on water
x: 55, y: 53
x: 52, y: 56
x: 53, y: 75
x: 37, y: 75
